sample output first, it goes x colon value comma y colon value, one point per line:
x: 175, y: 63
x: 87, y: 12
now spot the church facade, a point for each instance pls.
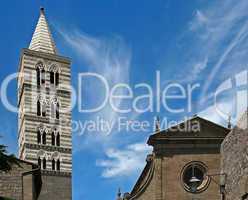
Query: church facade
x: 184, y: 163
x: 44, y: 126
x: 206, y: 162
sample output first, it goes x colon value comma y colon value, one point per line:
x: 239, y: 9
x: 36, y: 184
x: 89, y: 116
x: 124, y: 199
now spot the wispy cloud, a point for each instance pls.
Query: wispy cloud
x: 216, y: 43
x: 219, y: 39
x: 109, y: 57
x: 199, y: 21
x: 218, y: 46
x: 230, y: 102
x: 225, y: 108
x: 241, y: 35
x: 124, y: 162
x: 196, y: 70
x: 221, y: 29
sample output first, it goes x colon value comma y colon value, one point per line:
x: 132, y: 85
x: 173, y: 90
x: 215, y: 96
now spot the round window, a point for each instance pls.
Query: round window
x: 194, y: 177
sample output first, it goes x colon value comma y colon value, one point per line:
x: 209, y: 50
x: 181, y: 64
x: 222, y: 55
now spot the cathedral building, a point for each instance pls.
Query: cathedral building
x: 44, y: 126
x: 194, y: 160
x: 185, y: 163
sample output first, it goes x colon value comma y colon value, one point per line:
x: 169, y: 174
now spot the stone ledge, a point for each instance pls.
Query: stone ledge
x: 48, y: 148
x: 56, y: 173
x: 44, y: 55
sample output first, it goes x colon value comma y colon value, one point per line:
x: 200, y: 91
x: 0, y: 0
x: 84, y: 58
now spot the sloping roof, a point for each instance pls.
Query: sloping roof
x: 144, y: 179
x: 194, y: 128
x: 42, y: 38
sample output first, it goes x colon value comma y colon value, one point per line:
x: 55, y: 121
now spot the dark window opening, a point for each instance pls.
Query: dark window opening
x: 43, y: 77
x: 38, y: 137
x: 53, y: 164
x: 56, y: 78
x: 43, y: 110
x: 57, y: 111
x: 44, y: 138
x: 58, y: 165
x: 194, y: 178
x: 53, y: 138
x: 44, y: 163
x: 38, y: 108
x: 52, y: 77
x: 58, y: 140
x: 245, y: 197
x: 193, y: 171
x: 39, y: 162
x: 38, y: 76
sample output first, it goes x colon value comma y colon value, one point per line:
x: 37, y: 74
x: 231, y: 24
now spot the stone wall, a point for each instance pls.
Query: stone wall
x: 174, y: 154
x: 18, y: 184
x: 56, y: 187
x: 234, y: 164
x: 173, y: 183
x: 243, y: 121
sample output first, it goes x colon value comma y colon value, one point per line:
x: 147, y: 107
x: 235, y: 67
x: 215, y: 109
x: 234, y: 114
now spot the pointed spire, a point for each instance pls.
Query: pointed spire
x: 157, y: 125
x: 42, y: 38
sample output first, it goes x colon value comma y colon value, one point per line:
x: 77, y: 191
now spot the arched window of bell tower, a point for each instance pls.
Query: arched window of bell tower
x: 58, y: 139
x: 39, y: 162
x: 38, y: 108
x: 58, y: 165
x: 44, y: 163
x: 53, y: 138
x: 53, y: 164
x: 44, y: 138
x: 38, y: 136
x: 40, y: 74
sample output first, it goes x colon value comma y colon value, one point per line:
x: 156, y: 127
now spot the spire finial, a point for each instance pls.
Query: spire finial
x: 195, y: 115
x: 157, y: 125
x: 229, y: 125
x: 42, y: 10
x: 119, y: 194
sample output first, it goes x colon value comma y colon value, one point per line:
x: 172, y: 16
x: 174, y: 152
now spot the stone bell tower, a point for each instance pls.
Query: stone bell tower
x: 44, y: 121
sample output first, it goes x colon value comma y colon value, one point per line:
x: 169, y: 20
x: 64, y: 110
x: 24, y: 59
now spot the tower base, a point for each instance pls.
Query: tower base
x: 56, y: 185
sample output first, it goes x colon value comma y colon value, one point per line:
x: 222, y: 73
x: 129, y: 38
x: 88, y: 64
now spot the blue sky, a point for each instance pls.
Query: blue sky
x: 197, y: 41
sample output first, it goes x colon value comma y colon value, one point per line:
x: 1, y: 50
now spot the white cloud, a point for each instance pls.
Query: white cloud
x: 109, y: 57
x: 200, y: 66
x: 241, y: 35
x: 232, y: 105
x: 124, y: 162
x: 218, y: 35
x: 211, y: 113
x: 197, y: 70
x: 199, y: 21
x: 193, y: 71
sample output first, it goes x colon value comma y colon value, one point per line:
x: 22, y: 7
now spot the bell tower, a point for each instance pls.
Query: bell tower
x: 44, y: 119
